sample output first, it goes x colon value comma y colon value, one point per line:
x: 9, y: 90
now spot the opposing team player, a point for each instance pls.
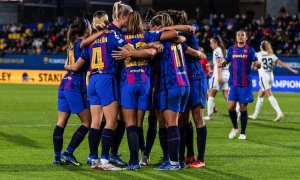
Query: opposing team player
x: 220, y: 75
x: 240, y: 56
x: 72, y: 96
x: 266, y: 79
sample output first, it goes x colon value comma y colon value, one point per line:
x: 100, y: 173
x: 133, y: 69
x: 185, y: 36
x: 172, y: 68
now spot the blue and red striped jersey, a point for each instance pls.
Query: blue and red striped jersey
x: 173, y: 71
x: 240, y: 65
x: 135, y: 71
x: 99, y: 53
x: 75, y: 81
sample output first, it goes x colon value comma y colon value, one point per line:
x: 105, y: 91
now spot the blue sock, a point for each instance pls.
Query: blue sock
x: 133, y: 144
x: 58, y: 140
x: 173, y: 142
x: 182, y: 143
x: 117, y: 137
x: 163, y: 141
x: 233, y: 118
x: 201, y: 142
x: 140, y: 131
x: 94, y: 140
x: 244, y: 119
x: 151, y: 134
x: 189, y: 141
x: 107, y: 137
x: 77, y: 138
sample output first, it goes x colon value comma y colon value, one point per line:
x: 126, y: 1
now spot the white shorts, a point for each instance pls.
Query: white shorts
x: 215, y: 84
x: 266, y: 81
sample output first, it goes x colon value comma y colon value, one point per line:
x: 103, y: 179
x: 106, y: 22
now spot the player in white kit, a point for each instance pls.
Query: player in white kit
x: 220, y: 75
x: 266, y: 78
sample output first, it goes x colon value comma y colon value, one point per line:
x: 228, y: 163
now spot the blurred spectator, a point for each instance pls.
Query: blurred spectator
x: 283, y: 31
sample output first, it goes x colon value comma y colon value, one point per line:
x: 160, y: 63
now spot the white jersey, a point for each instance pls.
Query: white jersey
x: 217, y: 53
x: 214, y: 84
x: 266, y: 61
x: 266, y: 77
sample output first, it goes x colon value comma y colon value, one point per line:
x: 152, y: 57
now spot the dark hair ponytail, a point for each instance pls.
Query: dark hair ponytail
x: 77, y: 29
x: 220, y: 43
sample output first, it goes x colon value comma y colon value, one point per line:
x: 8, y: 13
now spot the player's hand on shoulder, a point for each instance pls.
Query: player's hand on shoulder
x: 121, y: 54
x: 157, y: 45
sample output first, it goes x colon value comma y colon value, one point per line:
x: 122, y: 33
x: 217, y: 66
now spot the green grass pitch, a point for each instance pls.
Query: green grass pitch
x: 28, y: 115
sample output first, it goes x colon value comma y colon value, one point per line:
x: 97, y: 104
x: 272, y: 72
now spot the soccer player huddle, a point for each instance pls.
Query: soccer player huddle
x: 153, y: 66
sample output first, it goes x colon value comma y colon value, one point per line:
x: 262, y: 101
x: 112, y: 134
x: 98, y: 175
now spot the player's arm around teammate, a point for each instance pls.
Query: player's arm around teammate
x: 103, y: 91
x: 72, y: 97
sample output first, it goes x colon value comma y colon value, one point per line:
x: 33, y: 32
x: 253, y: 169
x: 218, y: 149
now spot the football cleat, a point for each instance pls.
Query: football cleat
x: 197, y: 164
x: 232, y: 133
x: 168, y: 166
x: 183, y: 165
x: 94, y: 163
x: 242, y: 137
x: 105, y: 165
x: 208, y: 118
x: 163, y: 161
x: 60, y: 160
x: 132, y: 167
x: 145, y: 160
x: 279, y: 117
x: 70, y: 158
x: 189, y: 160
x: 253, y: 116
x: 116, y: 160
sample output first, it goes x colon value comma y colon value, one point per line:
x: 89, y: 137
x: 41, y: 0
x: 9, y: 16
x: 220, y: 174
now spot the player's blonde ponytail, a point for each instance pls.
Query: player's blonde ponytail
x: 120, y: 9
x: 266, y: 46
x: 100, y: 20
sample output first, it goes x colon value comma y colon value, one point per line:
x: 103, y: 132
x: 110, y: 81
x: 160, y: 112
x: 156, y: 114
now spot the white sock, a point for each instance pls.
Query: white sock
x: 258, y: 106
x: 275, y: 105
x: 210, y: 105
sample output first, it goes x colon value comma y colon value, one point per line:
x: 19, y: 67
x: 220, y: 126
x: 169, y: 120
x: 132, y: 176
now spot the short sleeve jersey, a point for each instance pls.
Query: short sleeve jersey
x: 76, y: 81
x: 99, y: 53
x: 173, y: 71
x: 136, y: 71
x: 240, y: 65
x: 266, y: 61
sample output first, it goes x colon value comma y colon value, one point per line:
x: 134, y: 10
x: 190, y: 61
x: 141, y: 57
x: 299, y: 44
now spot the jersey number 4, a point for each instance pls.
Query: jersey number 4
x: 97, y: 62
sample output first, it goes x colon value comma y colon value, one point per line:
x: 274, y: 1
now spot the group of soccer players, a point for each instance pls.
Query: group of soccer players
x: 153, y: 66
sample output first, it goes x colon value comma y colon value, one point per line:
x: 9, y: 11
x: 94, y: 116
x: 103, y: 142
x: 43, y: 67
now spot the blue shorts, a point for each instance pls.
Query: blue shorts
x: 135, y: 96
x: 198, y: 93
x: 174, y: 99
x: 243, y: 95
x: 102, y: 89
x: 72, y: 102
